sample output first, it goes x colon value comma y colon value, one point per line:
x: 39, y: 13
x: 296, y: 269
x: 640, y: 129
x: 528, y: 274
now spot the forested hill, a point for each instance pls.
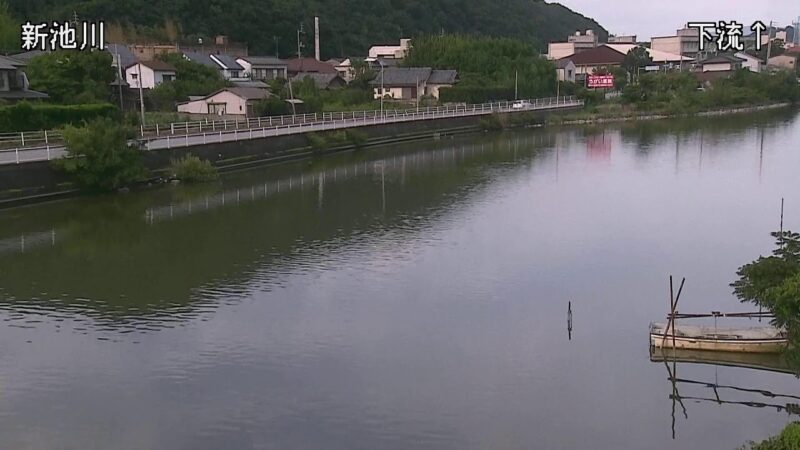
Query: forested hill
x: 348, y: 27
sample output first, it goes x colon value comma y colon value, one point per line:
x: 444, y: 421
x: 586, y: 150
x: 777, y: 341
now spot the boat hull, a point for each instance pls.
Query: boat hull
x: 742, y: 340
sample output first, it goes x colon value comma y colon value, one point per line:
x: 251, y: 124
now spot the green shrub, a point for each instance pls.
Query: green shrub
x: 356, y: 138
x: 100, y: 157
x: 191, y: 169
x: 316, y: 141
x: 491, y: 123
x: 789, y: 439
x: 26, y: 116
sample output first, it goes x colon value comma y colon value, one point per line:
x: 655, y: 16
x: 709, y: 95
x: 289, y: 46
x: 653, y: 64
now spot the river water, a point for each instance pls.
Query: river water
x: 412, y: 296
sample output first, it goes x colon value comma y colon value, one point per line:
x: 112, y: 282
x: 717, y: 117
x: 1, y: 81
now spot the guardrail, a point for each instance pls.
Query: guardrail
x: 185, y: 134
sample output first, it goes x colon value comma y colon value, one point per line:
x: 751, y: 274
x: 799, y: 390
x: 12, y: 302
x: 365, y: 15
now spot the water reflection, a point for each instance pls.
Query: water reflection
x: 407, y: 297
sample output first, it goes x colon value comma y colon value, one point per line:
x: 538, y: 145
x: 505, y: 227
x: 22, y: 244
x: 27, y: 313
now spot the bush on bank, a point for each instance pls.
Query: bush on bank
x: 192, y: 169
x: 26, y: 116
x: 100, y: 157
x: 789, y: 439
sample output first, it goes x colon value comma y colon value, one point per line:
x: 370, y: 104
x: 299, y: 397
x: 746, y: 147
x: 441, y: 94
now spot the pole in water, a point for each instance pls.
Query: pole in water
x: 569, y: 320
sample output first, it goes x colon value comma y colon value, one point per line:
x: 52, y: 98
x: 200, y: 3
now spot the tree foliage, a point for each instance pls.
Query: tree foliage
x: 485, y: 63
x: 72, y: 77
x: 9, y: 30
x: 635, y: 59
x: 348, y: 27
x: 773, y: 282
x: 191, y: 78
x: 99, y: 156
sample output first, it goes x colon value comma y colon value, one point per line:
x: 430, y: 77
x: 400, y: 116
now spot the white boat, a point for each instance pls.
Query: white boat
x: 710, y: 338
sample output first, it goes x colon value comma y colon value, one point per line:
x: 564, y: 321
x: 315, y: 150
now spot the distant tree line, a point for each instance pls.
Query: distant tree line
x: 348, y: 27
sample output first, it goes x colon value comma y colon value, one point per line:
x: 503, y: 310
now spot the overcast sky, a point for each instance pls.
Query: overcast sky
x: 659, y: 18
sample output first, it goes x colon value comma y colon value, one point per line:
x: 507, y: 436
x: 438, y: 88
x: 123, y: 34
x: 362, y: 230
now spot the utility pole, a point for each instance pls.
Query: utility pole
x: 141, y: 95
x: 275, y: 38
x: 119, y: 78
x: 291, y: 96
x: 299, y: 43
x: 769, y: 45
x: 516, y: 84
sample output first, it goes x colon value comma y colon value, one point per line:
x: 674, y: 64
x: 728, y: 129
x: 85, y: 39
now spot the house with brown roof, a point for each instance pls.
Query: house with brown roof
x: 322, y: 80
x: 588, y: 61
x: 149, y: 74
x: 308, y: 65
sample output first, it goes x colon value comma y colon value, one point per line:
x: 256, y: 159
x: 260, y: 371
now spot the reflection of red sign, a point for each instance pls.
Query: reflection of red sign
x: 600, y: 81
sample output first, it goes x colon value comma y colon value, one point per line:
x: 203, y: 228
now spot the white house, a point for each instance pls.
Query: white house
x: 411, y: 83
x: 149, y: 73
x: 391, y: 51
x: 721, y: 63
x: 565, y: 69
x: 750, y: 62
x: 227, y: 101
x: 263, y: 67
x: 230, y: 69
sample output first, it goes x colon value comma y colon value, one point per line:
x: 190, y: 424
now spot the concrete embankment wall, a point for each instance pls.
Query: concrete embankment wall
x: 39, y: 181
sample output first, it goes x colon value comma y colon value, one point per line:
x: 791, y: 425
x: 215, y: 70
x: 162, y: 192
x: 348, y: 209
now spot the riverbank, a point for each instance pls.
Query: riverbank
x: 586, y: 118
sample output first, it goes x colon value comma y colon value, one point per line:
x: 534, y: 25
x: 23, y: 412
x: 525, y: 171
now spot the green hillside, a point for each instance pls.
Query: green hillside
x: 348, y: 27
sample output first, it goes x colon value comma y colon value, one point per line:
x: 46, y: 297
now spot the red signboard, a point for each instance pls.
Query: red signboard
x: 600, y: 81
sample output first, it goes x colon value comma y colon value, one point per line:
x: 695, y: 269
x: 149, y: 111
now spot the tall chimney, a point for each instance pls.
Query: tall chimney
x: 316, y: 38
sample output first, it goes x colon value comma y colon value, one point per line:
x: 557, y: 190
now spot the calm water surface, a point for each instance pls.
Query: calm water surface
x: 408, y: 297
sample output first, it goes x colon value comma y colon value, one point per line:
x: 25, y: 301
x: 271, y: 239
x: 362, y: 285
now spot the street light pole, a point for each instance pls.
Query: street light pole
x: 382, y: 93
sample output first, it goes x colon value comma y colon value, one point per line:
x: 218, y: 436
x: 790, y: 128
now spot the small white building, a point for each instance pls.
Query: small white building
x: 751, y: 63
x: 149, y: 74
x: 412, y: 83
x: 565, y: 69
x: 721, y: 63
x: 391, y: 51
x: 227, y: 101
x: 558, y: 50
x: 228, y: 67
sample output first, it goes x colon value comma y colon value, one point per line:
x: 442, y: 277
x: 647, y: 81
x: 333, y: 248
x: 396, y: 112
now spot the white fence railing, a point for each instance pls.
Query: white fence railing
x: 184, y: 134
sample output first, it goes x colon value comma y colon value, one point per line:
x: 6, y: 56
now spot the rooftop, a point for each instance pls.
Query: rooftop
x: 263, y: 60
x: 296, y: 65
x: 602, y: 55
x: 226, y: 61
x: 402, y: 76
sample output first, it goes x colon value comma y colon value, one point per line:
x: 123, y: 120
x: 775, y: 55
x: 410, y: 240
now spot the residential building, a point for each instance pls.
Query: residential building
x: 149, y: 74
x: 322, y: 80
x: 720, y: 63
x: 263, y: 67
x: 228, y: 67
x: 558, y: 50
x: 227, y: 101
x: 200, y: 58
x: 575, y: 43
x: 565, y: 69
x: 391, y: 51
x: 587, y: 62
x: 26, y: 57
x: 345, y: 68
x: 412, y: 83
x: 661, y: 59
x: 583, y: 41
x: 750, y: 62
x: 121, y: 55
x: 14, y: 82
x: 686, y: 42
x: 787, y: 61
x: 629, y: 39
x: 307, y: 65
x: 440, y: 79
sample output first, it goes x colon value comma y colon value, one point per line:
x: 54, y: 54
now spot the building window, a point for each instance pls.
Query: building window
x: 135, y: 76
x: 169, y: 77
x: 234, y: 74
